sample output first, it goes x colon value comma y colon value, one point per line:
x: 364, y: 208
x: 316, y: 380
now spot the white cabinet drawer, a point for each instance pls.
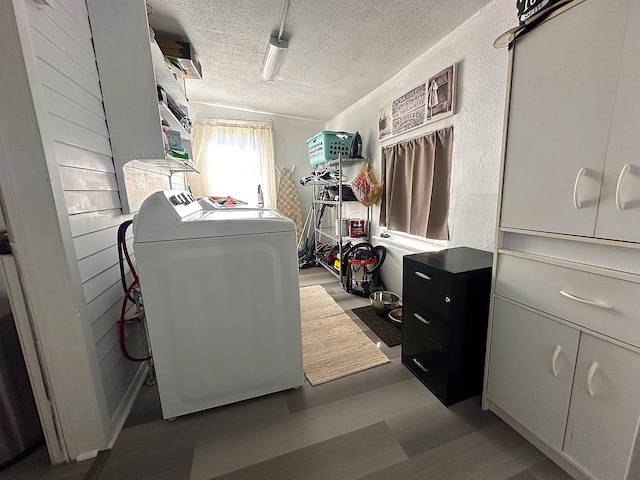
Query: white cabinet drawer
x: 607, y: 305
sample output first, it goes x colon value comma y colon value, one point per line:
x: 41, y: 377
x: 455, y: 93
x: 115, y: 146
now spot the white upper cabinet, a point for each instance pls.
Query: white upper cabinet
x: 619, y: 209
x: 562, y: 101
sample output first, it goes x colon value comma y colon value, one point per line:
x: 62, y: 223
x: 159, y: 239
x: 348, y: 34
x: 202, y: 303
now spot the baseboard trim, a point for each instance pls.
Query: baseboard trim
x: 86, y: 455
x: 558, y: 458
x: 97, y: 465
x: 128, y: 401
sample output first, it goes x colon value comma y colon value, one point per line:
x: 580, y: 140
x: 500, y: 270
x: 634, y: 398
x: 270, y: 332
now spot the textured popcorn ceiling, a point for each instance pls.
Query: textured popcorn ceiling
x: 338, y: 50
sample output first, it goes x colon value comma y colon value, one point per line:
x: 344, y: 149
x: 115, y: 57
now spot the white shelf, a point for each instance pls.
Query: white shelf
x: 346, y: 162
x: 172, y: 163
x: 168, y: 115
x: 165, y: 78
x: 121, y: 37
x: 169, y: 83
x: 331, y: 232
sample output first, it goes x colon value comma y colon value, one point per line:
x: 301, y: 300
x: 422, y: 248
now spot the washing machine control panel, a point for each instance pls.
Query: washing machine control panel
x: 182, y: 198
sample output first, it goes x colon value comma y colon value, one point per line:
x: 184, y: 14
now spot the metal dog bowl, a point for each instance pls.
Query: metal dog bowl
x: 383, y: 302
x: 395, y: 316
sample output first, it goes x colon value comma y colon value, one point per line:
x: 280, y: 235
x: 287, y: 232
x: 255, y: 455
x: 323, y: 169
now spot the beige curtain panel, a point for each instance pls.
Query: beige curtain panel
x: 417, y: 178
x: 213, y: 135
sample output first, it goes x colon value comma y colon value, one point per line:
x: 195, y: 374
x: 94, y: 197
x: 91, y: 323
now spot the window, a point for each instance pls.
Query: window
x: 417, y: 177
x: 233, y: 158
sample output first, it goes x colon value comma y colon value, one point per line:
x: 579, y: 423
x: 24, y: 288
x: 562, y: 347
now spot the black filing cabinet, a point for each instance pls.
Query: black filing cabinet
x: 444, y: 320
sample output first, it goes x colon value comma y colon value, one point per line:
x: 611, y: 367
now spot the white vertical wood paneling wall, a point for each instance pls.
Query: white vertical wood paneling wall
x: 71, y: 86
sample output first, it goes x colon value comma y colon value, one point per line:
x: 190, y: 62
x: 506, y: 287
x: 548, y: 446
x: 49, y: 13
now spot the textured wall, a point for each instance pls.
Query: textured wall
x: 478, y: 124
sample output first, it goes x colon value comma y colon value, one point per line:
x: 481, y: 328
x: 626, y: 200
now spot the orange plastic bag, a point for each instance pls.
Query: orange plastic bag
x: 365, y: 186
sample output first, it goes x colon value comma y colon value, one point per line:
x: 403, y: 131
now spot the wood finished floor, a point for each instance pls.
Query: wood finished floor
x: 378, y: 424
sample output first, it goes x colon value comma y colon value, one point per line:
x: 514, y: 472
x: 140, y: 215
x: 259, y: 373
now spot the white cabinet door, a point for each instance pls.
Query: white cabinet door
x: 605, y: 408
x: 531, y: 369
x: 619, y: 210
x: 562, y: 97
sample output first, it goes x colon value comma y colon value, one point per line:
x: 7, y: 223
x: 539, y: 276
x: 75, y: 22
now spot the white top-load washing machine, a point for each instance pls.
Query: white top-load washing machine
x: 221, y: 297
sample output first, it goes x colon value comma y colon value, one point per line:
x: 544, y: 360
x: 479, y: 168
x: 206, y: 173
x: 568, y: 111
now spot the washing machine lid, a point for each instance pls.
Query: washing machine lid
x: 177, y: 215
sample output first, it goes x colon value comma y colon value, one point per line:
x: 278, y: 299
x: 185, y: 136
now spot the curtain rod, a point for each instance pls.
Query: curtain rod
x: 233, y: 121
x: 417, y: 136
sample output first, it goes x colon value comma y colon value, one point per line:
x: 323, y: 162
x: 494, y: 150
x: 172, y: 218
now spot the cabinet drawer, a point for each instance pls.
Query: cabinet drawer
x: 418, y: 325
x: 428, y: 288
x: 607, y: 305
x: 430, y: 364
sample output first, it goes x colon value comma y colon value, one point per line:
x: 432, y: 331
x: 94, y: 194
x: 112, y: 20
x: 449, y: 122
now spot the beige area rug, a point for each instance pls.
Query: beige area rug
x: 332, y: 345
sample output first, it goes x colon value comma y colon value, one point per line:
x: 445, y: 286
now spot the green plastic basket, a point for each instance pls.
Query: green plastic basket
x: 328, y: 145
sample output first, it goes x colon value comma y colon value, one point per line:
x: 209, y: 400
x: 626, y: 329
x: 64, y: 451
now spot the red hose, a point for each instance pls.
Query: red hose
x: 123, y: 310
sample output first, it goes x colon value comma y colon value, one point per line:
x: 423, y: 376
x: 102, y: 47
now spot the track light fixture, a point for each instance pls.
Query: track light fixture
x: 276, y: 50
x: 273, y: 57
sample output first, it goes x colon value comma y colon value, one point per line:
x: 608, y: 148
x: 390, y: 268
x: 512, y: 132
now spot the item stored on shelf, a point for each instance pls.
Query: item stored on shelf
x: 329, y: 175
x: 182, y: 59
x: 328, y: 145
x: 173, y: 137
x: 175, y: 109
x: 357, y: 227
x: 355, y: 151
x: 179, y: 154
x: 365, y: 186
x: 336, y: 263
x: 162, y: 95
x: 342, y: 227
x: 347, y: 193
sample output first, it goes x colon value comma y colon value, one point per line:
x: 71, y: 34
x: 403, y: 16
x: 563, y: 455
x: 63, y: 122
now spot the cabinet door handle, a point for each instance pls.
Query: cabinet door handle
x: 576, y: 201
x: 595, y: 303
x: 626, y: 169
x: 554, y: 358
x: 420, y: 366
x: 426, y: 321
x: 423, y: 275
x: 590, y: 374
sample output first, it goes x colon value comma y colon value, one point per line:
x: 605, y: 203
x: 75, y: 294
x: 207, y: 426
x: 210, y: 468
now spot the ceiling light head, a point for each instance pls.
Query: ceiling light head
x: 276, y: 49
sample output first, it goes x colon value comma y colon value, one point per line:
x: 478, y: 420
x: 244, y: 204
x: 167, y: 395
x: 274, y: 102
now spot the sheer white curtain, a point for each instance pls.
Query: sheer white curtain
x: 233, y: 158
